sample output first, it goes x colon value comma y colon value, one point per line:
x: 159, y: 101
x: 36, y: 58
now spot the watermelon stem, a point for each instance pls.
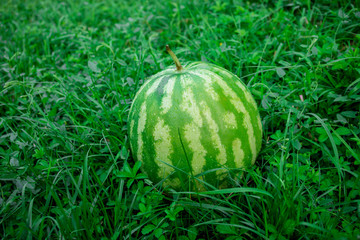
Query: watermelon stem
x: 173, y: 56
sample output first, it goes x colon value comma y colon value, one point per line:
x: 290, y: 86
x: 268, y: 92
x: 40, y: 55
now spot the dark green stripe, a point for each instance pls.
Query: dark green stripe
x: 253, y: 111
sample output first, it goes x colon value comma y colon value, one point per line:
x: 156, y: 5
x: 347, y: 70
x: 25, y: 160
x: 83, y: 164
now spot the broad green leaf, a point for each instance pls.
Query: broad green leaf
x: 140, y: 176
x: 192, y: 233
x: 121, y: 62
x: 136, y: 167
x: 289, y: 227
x: 343, y: 131
x: 280, y: 72
x: 123, y: 174
x: 323, y: 138
x: 148, y: 229
x: 341, y: 99
x: 13, y: 136
x: 342, y: 14
x: 158, y: 232
x: 320, y: 130
x: 341, y: 119
x: 128, y: 169
x: 350, y: 114
x: 130, y: 181
x: 225, y: 229
x: 337, y: 140
x: 296, y: 144
x: 93, y: 66
x: 123, y: 153
x: 277, y: 135
x: 142, y: 207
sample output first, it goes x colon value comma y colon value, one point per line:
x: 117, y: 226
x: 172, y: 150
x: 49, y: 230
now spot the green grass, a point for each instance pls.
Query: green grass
x: 68, y: 72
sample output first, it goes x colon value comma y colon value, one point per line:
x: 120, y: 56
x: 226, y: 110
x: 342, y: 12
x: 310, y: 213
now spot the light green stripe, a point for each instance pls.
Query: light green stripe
x: 207, y: 84
x: 166, y: 102
x: 188, y: 104
x: 209, y: 88
x: 153, y: 87
x: 148, y: 82
x: 186, y: 81
x: 238, y: 153
x: 140, y: 130
x: 192, y: 131
x: 192, y: 136
x: 174, y: 182
x: 132, y: 123
x: 163, y: 148
x: 230, y: 120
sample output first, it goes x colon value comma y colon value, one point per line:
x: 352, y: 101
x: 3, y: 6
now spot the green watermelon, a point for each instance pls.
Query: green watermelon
x: 192, y: 126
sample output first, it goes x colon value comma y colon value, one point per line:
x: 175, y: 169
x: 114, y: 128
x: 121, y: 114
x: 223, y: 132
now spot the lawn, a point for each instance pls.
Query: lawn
x: 70, y: 69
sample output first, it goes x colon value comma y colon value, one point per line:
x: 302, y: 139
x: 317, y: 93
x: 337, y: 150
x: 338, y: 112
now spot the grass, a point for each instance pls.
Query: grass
x: 68, y: 72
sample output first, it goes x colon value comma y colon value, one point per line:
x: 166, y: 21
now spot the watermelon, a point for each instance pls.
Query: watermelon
x: 194, y: 127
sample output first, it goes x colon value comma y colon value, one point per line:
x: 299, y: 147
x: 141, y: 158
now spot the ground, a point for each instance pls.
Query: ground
x: 70, y: 69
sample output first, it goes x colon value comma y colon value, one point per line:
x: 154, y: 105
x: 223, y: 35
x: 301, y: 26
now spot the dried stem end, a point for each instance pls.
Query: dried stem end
x: 173, y: 56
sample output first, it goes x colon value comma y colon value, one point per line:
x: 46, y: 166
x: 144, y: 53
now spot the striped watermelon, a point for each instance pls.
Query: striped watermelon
x: 190, y: 126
